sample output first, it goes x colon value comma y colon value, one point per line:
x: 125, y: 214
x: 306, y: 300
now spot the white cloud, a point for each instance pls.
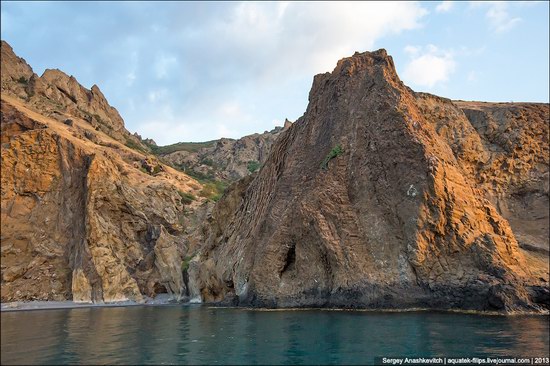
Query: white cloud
x: 230, y: 110
x: 257, y: 47
x: 498, y: 15
x: 444, y: 6
x: 259, y: 57
x: 500, y: 19
x: 130, y: 78
x: 223, y: 131
x: 163, y: 130
x: 164, y: 64
x: 157, y: 95
x: 428, y: 66
x: 132, y: 69
x: 412, y: 50
x: 317, y: 34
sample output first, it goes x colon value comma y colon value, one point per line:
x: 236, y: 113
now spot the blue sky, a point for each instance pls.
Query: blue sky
x: 195, y: 71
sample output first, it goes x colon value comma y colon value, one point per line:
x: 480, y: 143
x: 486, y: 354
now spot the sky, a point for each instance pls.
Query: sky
x: 197, y: 71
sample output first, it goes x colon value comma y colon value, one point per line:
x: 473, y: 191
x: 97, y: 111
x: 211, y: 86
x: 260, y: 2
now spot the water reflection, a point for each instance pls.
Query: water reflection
x: 200, y: 335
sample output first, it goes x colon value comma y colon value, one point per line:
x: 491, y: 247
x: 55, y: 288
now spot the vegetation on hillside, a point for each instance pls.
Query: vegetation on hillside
x: 213, y: 190
x: 253, y: 165
x: 181, y: 146
x: 186, y: 198
x: 134, y: 145
x: 336, y: 151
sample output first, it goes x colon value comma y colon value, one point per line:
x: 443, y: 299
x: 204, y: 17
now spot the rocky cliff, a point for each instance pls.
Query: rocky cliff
x: 83, y: 216
x: 60, y: 96
x: 380, y: 197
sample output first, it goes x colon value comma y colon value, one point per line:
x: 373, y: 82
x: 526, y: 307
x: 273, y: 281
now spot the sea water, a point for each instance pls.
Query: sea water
x: 195, y: 334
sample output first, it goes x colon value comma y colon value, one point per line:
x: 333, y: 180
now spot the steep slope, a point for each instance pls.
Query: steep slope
x: 83, y: 216
x: 503, y: 150
x: 367, y: 201
x: 515, y: 174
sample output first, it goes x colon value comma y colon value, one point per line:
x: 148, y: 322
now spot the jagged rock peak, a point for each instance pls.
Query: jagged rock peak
x: 287, y: 124
x: 365, y: 59
x: 61, y: 96
x: 14, y: 68
x: 371, y: 67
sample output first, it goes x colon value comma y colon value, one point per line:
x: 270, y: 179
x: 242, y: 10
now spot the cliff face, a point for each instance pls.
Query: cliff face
x: 378, y: 197
x: 382, y: 197
x: 513, y: 169
x: 83, y: 216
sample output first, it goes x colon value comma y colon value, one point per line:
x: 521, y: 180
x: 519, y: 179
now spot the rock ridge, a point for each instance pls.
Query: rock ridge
x: 58, y: 95
x: 396, y: 219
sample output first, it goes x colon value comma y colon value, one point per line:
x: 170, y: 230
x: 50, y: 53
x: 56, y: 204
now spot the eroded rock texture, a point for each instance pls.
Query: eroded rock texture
x: 83, y: 216
x: 384, y: 198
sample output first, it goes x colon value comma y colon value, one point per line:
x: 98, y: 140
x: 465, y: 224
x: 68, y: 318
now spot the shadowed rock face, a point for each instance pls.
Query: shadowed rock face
x: 84, y: 218
x: 374, y: 198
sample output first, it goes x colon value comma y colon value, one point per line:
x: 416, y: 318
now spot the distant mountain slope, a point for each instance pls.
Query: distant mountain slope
x: 225, y: 159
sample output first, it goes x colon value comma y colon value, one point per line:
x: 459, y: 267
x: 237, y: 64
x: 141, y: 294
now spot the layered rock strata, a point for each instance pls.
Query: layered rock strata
x: 380, y: 197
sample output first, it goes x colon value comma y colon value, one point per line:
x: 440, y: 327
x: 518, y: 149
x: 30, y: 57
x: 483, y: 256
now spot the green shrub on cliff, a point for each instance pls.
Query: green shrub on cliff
x: 157, y: 169
x: 253, y: 165
x: 213, y: 190
x: 185, y: 263
x: 186, y: 198
x: 336, y: 151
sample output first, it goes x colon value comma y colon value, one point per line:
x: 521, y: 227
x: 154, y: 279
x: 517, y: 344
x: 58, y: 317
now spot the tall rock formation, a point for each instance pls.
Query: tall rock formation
x: 381, y: 197
x: 83, y: 216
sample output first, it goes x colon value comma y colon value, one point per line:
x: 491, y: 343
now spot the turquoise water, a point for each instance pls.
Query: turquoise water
x: 202, y: 335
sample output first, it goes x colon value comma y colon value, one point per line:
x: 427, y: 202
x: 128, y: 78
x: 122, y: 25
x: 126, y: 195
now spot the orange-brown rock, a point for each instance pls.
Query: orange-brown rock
x: 60, y: 96
x: 380, y: 197
x: 83, y: 216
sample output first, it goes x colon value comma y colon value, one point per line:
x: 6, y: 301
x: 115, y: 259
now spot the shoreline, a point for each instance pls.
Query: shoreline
x: 68, y: 304
x: 404, y: 310
x: 168, y: 300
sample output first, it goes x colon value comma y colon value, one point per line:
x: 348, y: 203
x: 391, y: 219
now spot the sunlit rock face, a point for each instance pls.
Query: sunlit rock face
x: 84, y: 217
x: 380, y: 197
